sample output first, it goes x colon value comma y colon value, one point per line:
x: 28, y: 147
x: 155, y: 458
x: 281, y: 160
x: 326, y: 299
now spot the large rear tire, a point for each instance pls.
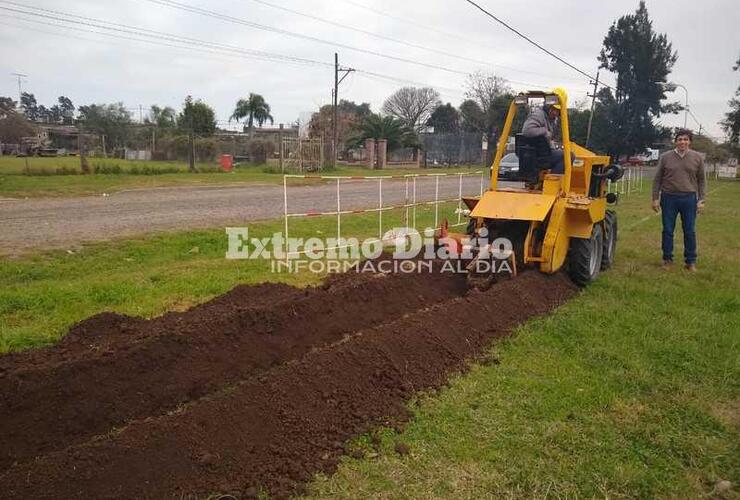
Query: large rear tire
x: 610, y: 239
x: 584, y: 257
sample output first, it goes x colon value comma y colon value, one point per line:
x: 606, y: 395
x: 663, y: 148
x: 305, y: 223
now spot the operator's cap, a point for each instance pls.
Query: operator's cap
x: 563, y: 97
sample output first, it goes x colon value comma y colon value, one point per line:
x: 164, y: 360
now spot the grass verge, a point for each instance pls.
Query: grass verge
x: 14, y: 184
x: 42, y: 295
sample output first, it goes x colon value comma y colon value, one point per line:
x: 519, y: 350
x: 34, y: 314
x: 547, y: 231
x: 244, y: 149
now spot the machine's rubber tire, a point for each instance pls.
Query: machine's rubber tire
x: 584, y: 257
x: 610, y: 239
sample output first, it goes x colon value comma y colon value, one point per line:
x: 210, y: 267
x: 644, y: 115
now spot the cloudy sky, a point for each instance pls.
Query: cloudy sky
x: 235, y: 47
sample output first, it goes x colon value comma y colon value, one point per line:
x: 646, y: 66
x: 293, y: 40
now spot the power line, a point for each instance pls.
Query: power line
x: 409, y: 21
x: 53, y: 15
x: 84, y: 24
x: 197, y: 47
x: 236, y: 20
x: 522, y: 35
x: 394, y: 40
x: 702, y: 129
x: 225, y: 50
x: 158, y: 35
x: 244, y: 22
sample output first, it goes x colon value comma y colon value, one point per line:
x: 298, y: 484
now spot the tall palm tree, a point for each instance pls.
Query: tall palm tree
x: 254, y: 109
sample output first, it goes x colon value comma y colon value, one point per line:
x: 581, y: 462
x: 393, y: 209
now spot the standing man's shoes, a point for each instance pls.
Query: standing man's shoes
x: 690, y: 267
x: 667, y: 264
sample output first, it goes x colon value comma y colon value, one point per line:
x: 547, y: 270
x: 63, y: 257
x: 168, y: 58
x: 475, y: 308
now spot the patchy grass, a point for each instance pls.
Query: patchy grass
x: 631, y: 390
x: 42, y: 295
x: 151, y: 174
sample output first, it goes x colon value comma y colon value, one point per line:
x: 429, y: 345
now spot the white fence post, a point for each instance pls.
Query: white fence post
x: 459, y: 199
x: 339, y: 216
x: 380, y: 208
x: 413, y: 205
x: 406, y: 204
x: 436, y: 202
x: 285, y: 212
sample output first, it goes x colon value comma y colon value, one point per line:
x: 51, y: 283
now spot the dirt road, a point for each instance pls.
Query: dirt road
x: 63, y: 223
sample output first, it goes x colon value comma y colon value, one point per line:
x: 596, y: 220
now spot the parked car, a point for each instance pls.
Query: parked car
x: 509, y: 167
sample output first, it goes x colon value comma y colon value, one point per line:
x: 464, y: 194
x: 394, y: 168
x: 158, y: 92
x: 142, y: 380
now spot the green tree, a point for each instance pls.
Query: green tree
x: 29, y: 106
x: 601, y: 135
x: 642, y: 61
x: 731, y: 123
x: 715, y: 153
x: 111, y: 120
x: 198, y: 117
x: 7, y: 105
x: 162, y: 117
x: 254, y: 109
x: 445, y: 119
x: 48, y: 115
x: 359, y: 110
x: 349, y: 115
x: 472, y: 117
x: 13, y: 125
x: 395, y: 131
x: 66, y: 109
x: 492, y: 96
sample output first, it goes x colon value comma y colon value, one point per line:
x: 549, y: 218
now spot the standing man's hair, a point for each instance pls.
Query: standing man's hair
x: 684, y: 131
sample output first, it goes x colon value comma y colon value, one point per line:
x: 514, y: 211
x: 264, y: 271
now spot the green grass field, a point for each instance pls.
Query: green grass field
x: 14, y: 184
x: 631, y: 390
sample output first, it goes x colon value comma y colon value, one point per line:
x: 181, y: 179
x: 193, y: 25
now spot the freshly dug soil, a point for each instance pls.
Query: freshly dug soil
x: 230, y: 398
x: 111, y: 369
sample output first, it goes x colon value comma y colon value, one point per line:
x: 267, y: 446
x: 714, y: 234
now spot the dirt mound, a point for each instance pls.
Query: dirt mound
x: 115, y: 368
x: 282, y: 400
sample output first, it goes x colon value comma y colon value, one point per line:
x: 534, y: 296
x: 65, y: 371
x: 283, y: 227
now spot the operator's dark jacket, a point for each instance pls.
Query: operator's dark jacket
x: 538, y: 124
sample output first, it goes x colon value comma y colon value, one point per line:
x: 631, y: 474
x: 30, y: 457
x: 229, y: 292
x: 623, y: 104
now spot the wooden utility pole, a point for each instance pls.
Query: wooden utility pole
x: 84, y: 166
x: 281, y: 148
x: 191, y: 148
x: 335, y: 104
x: 593, y: 103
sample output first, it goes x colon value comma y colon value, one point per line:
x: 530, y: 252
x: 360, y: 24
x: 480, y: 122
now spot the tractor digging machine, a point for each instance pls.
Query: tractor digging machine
x: 555, y: 220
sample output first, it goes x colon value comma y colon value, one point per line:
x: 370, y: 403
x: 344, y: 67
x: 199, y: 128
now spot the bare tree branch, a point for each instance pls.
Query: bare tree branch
x: 484, y: 88
x: 412, y: 105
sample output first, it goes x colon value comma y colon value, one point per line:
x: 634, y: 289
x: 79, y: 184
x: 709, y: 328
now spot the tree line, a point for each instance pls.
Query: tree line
x: 116, y: 122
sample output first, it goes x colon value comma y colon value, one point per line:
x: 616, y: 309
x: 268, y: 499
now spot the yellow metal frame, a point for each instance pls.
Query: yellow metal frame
x: 563, y: 204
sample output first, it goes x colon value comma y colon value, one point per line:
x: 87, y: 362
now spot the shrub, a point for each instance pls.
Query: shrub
x: 102, y: 168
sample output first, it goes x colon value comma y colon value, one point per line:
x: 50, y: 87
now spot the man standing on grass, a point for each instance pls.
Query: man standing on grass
x: 679, y: 188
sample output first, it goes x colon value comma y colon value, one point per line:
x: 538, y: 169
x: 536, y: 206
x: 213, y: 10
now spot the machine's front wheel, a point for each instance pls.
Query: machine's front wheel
x: 584, y: 257
x: 610, y: 239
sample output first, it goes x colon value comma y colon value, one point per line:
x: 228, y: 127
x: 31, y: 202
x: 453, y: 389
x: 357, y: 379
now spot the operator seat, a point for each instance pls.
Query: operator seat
x: 534, y: 155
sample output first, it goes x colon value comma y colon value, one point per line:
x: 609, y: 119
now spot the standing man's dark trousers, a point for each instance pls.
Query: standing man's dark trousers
x: 672, y: 204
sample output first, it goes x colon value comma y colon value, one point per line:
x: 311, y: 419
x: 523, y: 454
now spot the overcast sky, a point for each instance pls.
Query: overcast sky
x: 452, y: 38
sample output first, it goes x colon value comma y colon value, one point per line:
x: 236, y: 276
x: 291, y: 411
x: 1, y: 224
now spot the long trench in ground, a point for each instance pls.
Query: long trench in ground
x: 259, y: 388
